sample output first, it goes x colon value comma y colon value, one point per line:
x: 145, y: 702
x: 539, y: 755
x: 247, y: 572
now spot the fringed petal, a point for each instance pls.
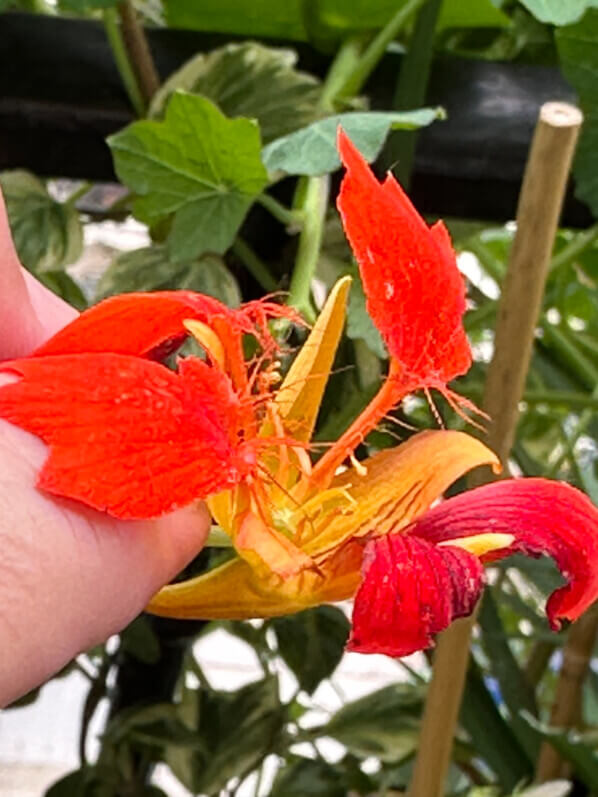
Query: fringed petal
x: 410, y: 591
x: 545, y: 517
x: 128, y: 435
x: 415, y: 293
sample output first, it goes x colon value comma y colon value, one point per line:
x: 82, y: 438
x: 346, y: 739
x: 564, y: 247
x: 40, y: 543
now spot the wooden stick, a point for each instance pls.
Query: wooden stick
x: 540, y: 203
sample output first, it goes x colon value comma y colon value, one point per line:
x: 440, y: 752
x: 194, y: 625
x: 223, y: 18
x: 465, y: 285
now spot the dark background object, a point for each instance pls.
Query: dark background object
x: 61, y: 95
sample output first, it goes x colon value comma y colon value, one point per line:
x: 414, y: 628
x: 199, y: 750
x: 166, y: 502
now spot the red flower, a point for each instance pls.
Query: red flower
x: 421, y: 579
x: 129, y: 435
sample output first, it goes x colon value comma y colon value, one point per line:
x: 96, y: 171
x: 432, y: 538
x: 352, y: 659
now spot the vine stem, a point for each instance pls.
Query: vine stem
x: 348, y: 72
x: 122, y: 60
x: 286, y: 216
x: 411, y: 89
x: 254, y: 264
x: 314, y: 204
x: 138, y: 49
x: 370, y: 57
x: 540, y: 203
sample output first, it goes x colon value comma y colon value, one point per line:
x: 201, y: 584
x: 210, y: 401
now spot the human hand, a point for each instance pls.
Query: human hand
x: 70, y: 577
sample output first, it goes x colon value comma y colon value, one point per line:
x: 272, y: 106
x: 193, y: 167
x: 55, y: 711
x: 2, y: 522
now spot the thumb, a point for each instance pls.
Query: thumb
x: 20, y: 330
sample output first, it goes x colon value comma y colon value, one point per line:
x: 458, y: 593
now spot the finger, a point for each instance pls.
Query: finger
x: 29, y: 312
x: 71, y: 577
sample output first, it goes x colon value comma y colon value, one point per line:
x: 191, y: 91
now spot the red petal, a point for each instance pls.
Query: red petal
x: 142, y: 324
x: 410, y: 591
x: 545, y: 517
x: 127, y: 435
x: 415, y: 293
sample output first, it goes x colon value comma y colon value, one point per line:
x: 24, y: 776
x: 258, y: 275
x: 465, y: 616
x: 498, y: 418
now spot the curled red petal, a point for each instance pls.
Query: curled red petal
x: 415, y: 293
x: 127, y: 435
x: 545, y: 517
x: 410, y: 591
x: 141, y: 324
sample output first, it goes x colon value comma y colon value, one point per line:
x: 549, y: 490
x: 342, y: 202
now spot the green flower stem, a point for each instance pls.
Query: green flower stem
x: 411, y: 88
x: 575, y: 247
x: 121, y: 58
x: 286, y: 216
x: 314, y: 204
x: 256, y: 267
x: 368, y: 61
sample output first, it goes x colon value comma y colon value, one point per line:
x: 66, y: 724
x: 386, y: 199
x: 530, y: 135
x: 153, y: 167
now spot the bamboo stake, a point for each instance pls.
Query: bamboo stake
x: 566, y: 709
x: 538, y: 211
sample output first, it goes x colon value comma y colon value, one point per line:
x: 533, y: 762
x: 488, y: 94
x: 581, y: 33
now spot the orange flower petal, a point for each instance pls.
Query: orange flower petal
x: 415, y: 293
x: 128, y: 435
x: 399, y: 485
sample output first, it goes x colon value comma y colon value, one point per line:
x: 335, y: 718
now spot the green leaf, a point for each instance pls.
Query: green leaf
x: 80, y: 782
x: 249, y: 80
x: 577, y: 46
x: 269, y: 18
x: 312, y: 150
x: 305, y: 776
x: 152, y: 269
x: 471, y: 14
x: 514, y: 687
x: 47, y: 234
x: 491, y: 734
x: 296, y: 19
x: 576, y: 748
x: 312, y: 643
x: 384, y: 723
x: 196, y: 164
x: 139, y: 641
x: 236, y: 731
x: 559, y: 12
x: 64, y: 286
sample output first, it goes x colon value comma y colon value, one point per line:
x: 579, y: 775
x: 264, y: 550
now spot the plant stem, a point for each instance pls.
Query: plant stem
x: 121, y: 59
x: 369, y: 59
x: 344, y: 62
x: 138, y: 49
x: 286, y: 216
x: 411, y: 88
x: 315, y: 202
x: 254, y: 264
x: 520, y: 303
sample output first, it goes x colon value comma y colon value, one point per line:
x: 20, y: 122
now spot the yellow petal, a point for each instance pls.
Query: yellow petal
x: 300, y: 395
x: 234, y: 591
x: 267, y: 550
x: 398, y: 485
